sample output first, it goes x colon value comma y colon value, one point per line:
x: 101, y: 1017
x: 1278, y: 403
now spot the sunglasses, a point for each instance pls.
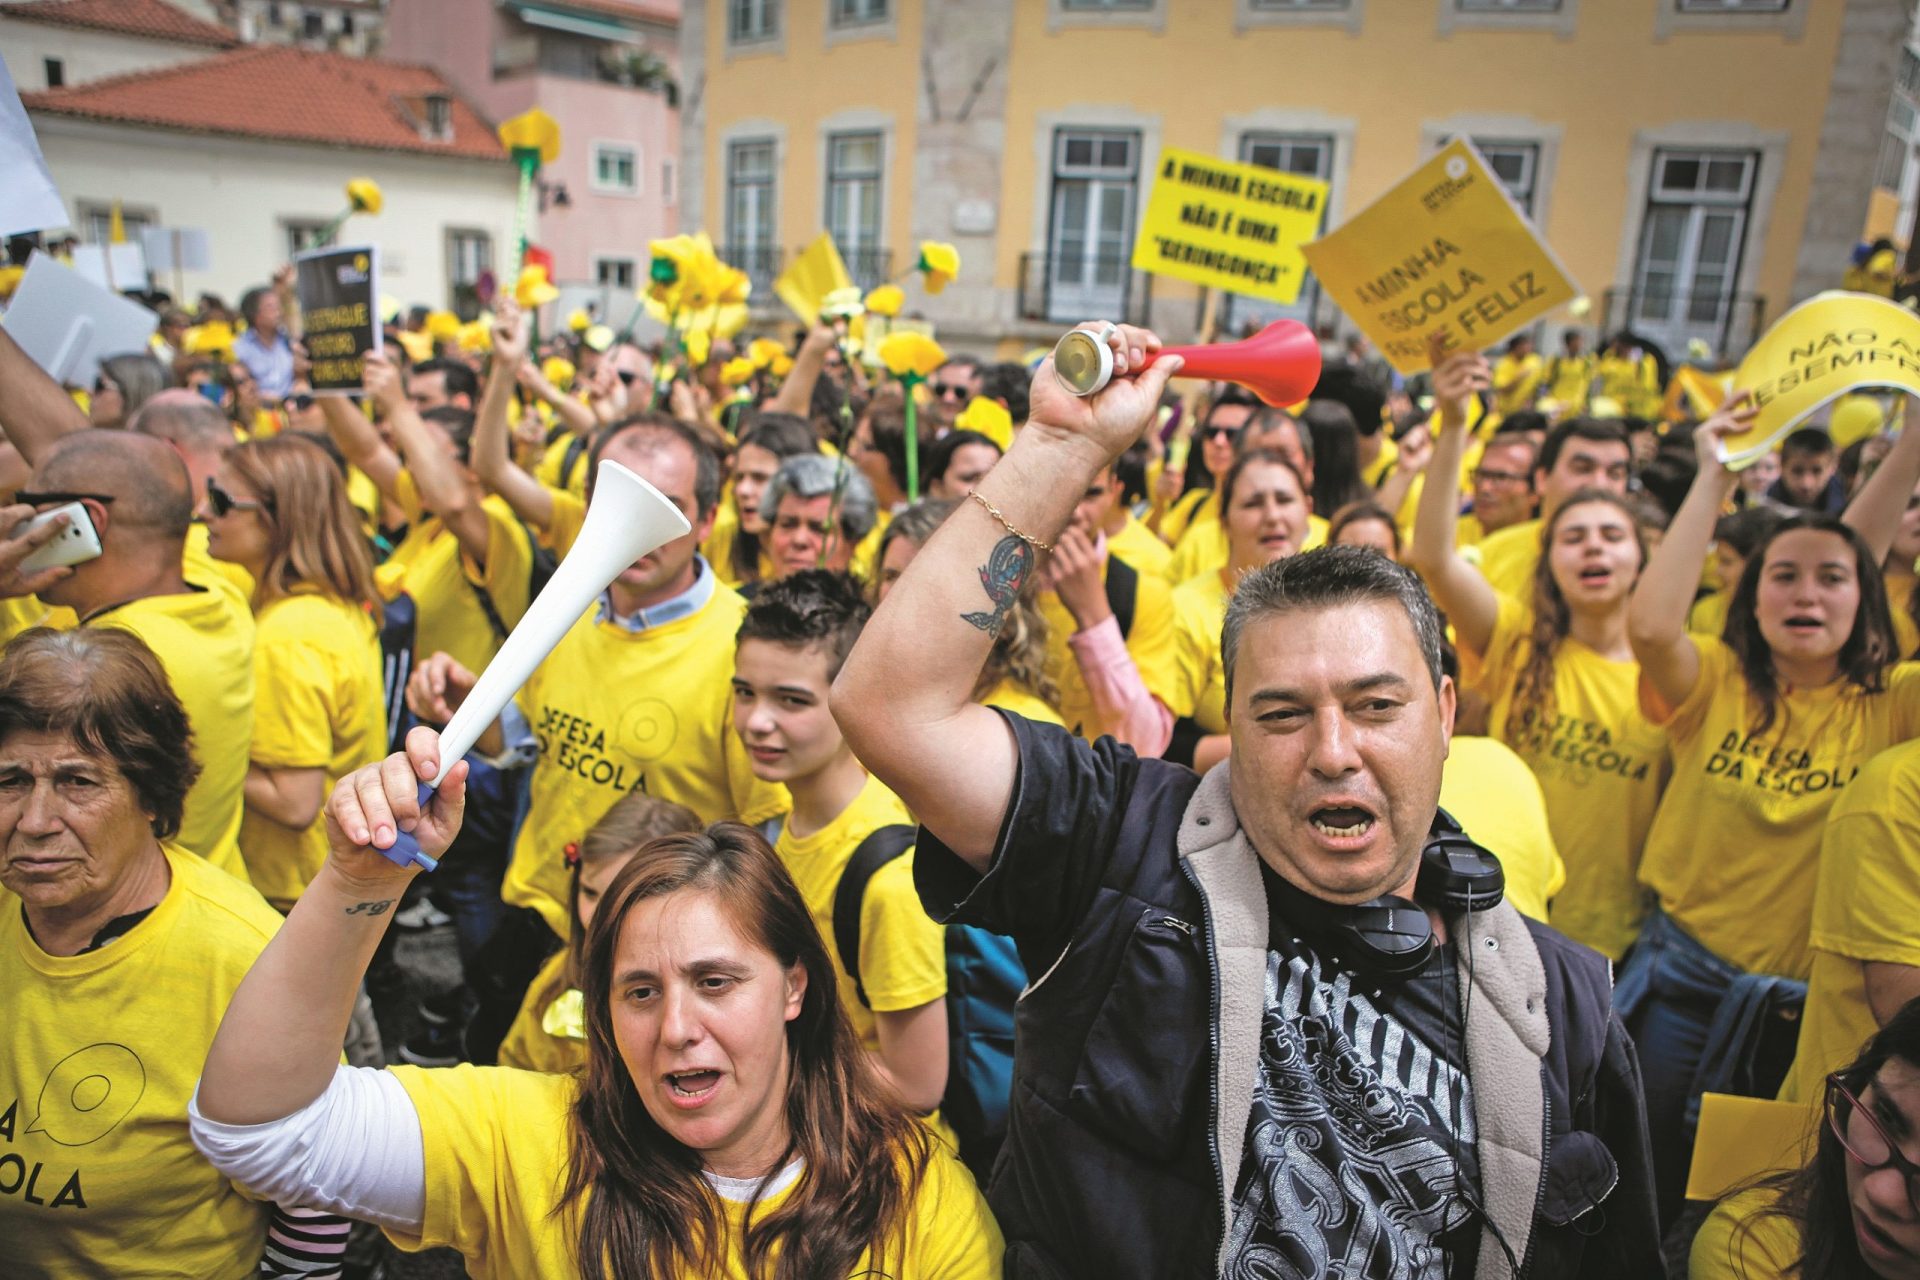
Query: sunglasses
x: 948, y: 390
x: 300, y: 402
x: 222, y: 503
x: 1220, y: 433
x: 59, y: 498
x: 1863, y: 1138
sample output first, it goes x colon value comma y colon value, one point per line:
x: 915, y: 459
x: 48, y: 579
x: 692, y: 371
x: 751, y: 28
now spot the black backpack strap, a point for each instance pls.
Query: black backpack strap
x: 1123, y: 587
x: 873, y: 853
x: 540, y: 566
x: 576, y: 450
x: 485, y: 599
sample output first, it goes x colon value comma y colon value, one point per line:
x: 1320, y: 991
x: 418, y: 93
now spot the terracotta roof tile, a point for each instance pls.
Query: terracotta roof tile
x: 292, y: 95
x: 155, y: 19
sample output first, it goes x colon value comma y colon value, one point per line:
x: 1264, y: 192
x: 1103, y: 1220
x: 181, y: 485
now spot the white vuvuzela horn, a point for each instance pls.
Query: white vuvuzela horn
x: 626, y: 519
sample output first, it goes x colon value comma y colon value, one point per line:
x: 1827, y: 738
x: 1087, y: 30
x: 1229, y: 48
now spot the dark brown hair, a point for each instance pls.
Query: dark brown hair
x: 1533, y: 696
x: 107, y: 692
x: 643, y: 1204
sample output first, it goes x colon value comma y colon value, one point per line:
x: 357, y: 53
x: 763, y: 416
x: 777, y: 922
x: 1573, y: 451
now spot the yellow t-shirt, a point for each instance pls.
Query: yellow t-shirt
x: 616, y: 711
x: 1150, y: 643
x: 548, y: 470
x: 718, y: 548
x: 563, y: 528
x: 1508, y: 557
x: 903, y: 955
x: 1866, y: 900
x: 1906, y: 636
x: 539, y: 1040
x: 1634, y: 385
x: 1188, y: 507
x: 1492, y: 793
x: 199, y: 564
x: 1204, y: 548
x: 1740, y: 1242
x: 441, y: 579
x: 1708, y: 617
x: 1600, y: 763
x: 319, y: 702
x: 1011, y: 695
x: 1734, y: 848
x: 98, y: 1177
x: 1136, y: 545
x: 1569, y: 380
x: 204, y: 640
x: 496, y: 1159
x: 1515, y: 381
x: 1199, y: 610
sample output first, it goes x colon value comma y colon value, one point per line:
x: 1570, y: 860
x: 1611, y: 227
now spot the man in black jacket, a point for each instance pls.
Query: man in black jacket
x: 1262, y: 1038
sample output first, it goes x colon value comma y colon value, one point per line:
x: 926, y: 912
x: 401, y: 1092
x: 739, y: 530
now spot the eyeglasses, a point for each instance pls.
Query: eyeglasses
x: 1864, y: 1139
x: 222, y: 503
x: 1487, y: 475
x: 60, y: 498
x: 949, y: 390
x: 300, y: 402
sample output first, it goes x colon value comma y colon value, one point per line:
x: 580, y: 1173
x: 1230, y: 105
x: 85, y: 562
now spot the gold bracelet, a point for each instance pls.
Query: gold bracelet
x: 1006, y: 524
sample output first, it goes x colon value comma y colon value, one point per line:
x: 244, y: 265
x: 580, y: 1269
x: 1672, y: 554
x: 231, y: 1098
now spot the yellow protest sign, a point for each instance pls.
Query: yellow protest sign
x: 1827, y: 346
x: 1229, y: 226
x: 1446, y: 252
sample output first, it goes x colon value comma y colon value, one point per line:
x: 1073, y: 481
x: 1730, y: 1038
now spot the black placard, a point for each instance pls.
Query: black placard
x: 339, y: 314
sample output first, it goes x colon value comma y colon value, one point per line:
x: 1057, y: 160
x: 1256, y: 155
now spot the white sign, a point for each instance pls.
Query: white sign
x: 120, y: 267
x: 28, y: 200
x: 67, y: 324
x: 176, y: 248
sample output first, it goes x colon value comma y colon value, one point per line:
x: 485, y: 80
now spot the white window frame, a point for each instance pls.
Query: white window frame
x: 1512, y: 131
x: 754, y: 130
x: 301, y: 234
x: 451, y: 238
x: 1344, y: 15
x: 772, y: 36
x: 1148, y: 14
x: 1670, y: 18
x: 669, y: 181
x: 885, y: 27
x: 603, y: 261
x: 1560, y: 21
x: 603, y: 148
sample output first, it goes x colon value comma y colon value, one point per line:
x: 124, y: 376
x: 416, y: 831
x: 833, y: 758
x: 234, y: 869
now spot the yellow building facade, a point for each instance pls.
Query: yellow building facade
x: 1698, y: 165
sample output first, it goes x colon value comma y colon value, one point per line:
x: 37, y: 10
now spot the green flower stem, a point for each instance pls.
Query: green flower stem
x: 912, y: 381
x: 331, y: 231
x: 528, y: 158
x: 840, y: 468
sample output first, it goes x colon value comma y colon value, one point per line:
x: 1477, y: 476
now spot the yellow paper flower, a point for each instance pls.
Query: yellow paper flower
x: 782, y: 365
x: 418, y: 346
x: 886, y: 300
x: 1580, y: 306
x: 911, y: 355
x: 533, y: 130
x: 940, y: 262
x: 532, y: 289
x: 737, y: 372
x: 477, y: 335
x: 763, y: 352
x: 443, y: 324
x: 389, y: 308
x: 578, y: 321
x: 842, y: 304
x: 364, y: 195
x: 699, y: 346
x: 558, y: 370
x: 215, y: 339
x: 598, y: 336
x: 990, y: 418
x: 10, y: 280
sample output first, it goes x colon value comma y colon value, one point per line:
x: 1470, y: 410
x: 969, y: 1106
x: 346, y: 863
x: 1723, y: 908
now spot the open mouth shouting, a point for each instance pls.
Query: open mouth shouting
x: 692, y: 1088
x: 1804, y: 624
x: 1343, y: 827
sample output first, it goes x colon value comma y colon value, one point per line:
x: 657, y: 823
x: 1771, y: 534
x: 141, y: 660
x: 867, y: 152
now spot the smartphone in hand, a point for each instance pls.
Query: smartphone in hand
x: 75, y: 544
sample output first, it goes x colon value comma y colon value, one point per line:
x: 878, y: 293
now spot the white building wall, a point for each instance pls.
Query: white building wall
x: 243, y: 192
x: 85, y: 55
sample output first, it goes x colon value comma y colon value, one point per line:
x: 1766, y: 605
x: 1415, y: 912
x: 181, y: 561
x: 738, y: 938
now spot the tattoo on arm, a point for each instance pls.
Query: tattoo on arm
x: 1004, y: 573
x: 370, y: 908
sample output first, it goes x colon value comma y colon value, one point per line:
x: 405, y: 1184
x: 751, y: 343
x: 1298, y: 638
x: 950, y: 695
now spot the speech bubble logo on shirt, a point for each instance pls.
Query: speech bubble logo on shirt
x: 87, y: 1093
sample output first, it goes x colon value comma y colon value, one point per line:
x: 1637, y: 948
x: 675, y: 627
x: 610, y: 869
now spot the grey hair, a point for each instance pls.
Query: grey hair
x: 813, y: 475
x: 1327, y: 578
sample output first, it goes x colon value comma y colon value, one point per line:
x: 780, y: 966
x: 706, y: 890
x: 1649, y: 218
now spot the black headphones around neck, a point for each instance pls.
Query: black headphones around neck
x: 1391, y: 937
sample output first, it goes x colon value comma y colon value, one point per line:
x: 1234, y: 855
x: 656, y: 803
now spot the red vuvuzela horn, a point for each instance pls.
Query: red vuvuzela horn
x: 1280, y: 364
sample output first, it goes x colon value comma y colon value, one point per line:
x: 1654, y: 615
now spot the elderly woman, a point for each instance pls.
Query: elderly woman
x: 118, y: 953
x: 817, y: 510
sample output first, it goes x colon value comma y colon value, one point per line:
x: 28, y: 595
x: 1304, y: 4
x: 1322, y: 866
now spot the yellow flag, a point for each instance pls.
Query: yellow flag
x: 1829, y: 345
x: 1740, y: 1139
x: 116, y: 226
x: 814, y: 273
x: 1695, y: 393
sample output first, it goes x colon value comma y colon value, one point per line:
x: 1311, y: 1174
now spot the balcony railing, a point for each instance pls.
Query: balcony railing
x: 868, y: 267
x: 1081, y: 286
x: 1729, y: 323
x: 762, y: 263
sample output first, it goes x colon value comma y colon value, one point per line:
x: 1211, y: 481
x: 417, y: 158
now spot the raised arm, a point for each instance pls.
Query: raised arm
x: 575, y: 412
x: 360, y: 442
x: 904, y: 699
x: 1875, y: 511
x: 796, y: 392
x: 1657, y: 614
x: 443, y: 490
x: 1470, y: 603
x: 280, y: 1039
x: 34, y: 410
x: 492, y: 453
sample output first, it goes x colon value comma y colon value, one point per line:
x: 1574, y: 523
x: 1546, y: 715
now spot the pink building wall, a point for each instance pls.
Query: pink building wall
x: 457, y: 37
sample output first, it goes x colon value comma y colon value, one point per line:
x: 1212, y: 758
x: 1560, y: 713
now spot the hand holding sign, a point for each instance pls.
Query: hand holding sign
x: 1729, y: 421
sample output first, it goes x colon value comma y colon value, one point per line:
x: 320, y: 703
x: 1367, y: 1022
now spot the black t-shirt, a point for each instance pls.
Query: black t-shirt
x: 1360, y: 1138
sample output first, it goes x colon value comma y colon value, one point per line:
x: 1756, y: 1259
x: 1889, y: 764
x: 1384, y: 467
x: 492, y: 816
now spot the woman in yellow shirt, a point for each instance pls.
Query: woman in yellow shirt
x: 1767, y: 724
x: 1266, y: 520
x: 550, y: 1032
x: 1854, y: 1210
x: 278, y: 508
x: 1559, y: 673
x: 726, y: 1124
x: 1015, y: 675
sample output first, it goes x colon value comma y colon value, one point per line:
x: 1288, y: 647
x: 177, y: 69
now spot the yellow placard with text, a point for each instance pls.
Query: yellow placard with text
x: 1445, y: 252
x: 1829, y: 345
x: 1228, y: 225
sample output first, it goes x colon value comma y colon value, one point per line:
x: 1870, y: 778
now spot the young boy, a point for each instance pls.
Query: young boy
x: 1810, y: 473
x: 797, y: 632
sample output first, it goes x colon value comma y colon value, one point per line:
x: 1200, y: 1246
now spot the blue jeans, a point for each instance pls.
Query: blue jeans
x: 1701, y: 1025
